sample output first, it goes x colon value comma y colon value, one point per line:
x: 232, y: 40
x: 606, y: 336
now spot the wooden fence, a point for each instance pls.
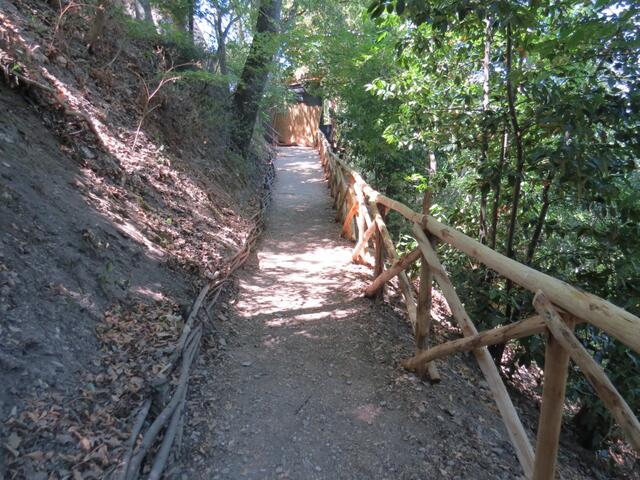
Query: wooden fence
x: 362, y: 211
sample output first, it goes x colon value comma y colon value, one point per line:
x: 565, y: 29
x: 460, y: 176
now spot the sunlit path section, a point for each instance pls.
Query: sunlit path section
x: 307, y: 385
x: 301, y: 255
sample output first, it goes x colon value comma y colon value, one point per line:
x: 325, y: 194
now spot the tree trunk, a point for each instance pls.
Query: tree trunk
x: 191, y: 18
x: 484, y: 150
x: 221, y: 51
x: 541, y: 217
x: 510, y: 314
x: 98, y: 25
x: 490, y: 275
x: 423, y: 324
x: 137, y: 10
x: 248, y: 94
x: 497, y: 188
x: 146, y: 9
x: 517, y: 134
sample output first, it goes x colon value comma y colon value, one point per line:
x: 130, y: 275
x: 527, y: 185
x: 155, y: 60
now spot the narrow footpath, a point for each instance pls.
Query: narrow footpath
x: 302, y: 379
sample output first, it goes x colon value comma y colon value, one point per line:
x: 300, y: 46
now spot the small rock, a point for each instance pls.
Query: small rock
x: 62, y: 61
x: 246, y: 364
x: 39, y: 57
x: 87, y: 152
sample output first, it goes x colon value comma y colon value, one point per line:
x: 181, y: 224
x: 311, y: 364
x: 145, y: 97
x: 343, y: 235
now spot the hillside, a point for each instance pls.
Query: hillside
x: 104, y: 244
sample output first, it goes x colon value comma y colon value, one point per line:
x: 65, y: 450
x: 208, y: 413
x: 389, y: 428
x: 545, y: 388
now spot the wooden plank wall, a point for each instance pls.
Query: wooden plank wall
x: 298, y: 125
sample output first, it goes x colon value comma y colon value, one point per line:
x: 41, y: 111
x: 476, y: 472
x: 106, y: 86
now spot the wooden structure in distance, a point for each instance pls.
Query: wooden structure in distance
x: 298, y: 124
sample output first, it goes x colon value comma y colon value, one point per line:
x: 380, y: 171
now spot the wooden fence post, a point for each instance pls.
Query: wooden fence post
x: 379, y: 258
x: 556, y: 364
x: 512, y: 422
x: 425, y: 294
x: 591, y: 369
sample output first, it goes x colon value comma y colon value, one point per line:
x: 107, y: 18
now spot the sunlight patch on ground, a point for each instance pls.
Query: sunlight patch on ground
x: 367, y: 413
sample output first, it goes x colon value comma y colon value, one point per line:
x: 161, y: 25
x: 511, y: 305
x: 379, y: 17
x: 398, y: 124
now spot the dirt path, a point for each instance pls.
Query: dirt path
x: 303, y: 381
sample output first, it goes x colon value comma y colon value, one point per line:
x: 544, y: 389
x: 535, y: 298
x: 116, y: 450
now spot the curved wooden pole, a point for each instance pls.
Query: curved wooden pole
x: 521, y: 329
x: 347, y: 219
x: 362, y: 243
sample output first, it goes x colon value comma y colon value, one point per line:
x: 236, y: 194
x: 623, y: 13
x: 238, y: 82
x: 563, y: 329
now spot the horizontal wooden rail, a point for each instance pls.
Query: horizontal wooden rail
x: 612, y: 319
x: 513, y: 331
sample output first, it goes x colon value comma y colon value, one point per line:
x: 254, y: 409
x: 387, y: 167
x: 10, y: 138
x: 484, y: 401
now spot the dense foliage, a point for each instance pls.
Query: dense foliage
x: 532, y: 111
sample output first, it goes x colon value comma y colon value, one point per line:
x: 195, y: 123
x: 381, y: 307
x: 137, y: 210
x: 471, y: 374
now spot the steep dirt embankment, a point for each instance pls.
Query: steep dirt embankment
x: 104, y: 240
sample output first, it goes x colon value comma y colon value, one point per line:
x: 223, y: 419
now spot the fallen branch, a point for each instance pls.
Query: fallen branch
x: 187, y: 349
x: 133, y: 469
x: 137, y: 427
x: 169, y: 436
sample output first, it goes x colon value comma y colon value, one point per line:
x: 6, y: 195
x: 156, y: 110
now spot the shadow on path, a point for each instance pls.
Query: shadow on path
x: 307, y: 385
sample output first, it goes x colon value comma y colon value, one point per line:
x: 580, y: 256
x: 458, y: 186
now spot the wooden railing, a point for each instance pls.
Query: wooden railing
x: 362, y: 211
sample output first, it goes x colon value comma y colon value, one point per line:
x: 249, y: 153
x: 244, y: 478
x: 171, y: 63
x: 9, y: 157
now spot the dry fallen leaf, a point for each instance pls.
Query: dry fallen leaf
x: 14, y: 441
x: 85, y: 444
x: 38, y: 456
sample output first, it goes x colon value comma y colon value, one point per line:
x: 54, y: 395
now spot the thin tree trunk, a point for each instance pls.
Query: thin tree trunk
x: 517, y: 134
x: 98, y: 24
x: 517, y: 181
x: 248, y: 94
x: 191, y: 18
x: 497, y: 190
x: 423, y: 325
x: 146, y: 8
x: 541, y: 217
x: 221, y: 51
x: 484, y: 150
x: 137, y: 10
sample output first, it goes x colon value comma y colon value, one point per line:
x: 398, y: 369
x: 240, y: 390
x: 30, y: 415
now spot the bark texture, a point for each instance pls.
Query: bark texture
x: 246, y: 98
